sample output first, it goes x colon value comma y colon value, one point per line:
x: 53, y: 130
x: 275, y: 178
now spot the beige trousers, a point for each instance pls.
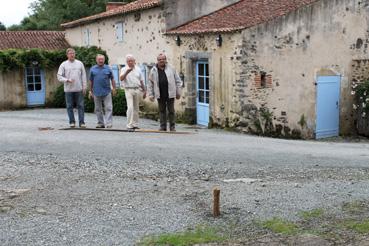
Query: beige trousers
x: 133, y: 99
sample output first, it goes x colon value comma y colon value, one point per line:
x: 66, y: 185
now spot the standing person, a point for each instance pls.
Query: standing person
x: 132, y: 79
x: 165, y: 85
x: 101, y: 90
x: 73, y: 74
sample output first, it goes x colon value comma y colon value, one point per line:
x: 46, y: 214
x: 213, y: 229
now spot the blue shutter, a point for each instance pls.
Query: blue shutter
x: 119, y: 31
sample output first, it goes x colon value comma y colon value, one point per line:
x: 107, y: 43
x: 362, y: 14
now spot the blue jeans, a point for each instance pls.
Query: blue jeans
x: 72, y: 99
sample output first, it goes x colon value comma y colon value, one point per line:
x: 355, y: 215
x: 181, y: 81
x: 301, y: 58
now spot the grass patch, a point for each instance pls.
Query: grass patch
x: 312, y: 214
x: 277, y: 225
x: 201, y: 234
x: 360, y: 227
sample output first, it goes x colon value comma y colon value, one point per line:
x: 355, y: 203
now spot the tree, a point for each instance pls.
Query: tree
x: 49, y: 14
x: 2, y: 27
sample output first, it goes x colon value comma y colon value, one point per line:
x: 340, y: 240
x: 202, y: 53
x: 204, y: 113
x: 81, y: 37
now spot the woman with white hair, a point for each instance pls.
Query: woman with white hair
x: 132, y: 79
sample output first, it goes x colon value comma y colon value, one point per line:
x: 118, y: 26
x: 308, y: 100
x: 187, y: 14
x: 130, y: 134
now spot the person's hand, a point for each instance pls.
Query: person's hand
x: 114, y: 92
x: 129, y: 69
x: 90, y: 95
x: 144, y: 95
x: 152, y: 99
x: 84, y: 91
x: 70, y: 81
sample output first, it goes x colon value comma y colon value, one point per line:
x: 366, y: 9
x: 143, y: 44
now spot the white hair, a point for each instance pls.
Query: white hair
x: 130, y: 57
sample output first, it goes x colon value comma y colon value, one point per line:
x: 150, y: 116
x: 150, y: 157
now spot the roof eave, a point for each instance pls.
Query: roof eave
x: 82, y: 21
x: 231, y: 30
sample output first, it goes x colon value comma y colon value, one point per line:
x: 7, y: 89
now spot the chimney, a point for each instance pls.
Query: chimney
x: 114, y: 5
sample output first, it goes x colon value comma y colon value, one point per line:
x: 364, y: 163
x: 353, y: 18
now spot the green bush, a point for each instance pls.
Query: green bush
x: 17, y: 58
x: 119, y: 102
x: 58, y: 100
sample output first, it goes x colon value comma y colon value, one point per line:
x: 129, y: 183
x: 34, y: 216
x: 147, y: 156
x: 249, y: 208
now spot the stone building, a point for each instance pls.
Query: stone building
x: 32, y: 85
x: 277, y: 68
x: 137, y: 27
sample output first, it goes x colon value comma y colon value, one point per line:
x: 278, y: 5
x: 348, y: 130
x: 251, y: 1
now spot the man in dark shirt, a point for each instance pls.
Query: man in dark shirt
x: 165, y: 85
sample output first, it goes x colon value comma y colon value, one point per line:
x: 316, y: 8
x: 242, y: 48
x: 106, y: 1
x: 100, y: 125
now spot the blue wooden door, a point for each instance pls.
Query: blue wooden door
x: 202, y: 105
x: 35, y: 86
x: 328, y: 106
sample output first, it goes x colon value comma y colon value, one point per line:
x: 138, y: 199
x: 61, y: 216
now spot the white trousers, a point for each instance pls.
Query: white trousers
x: 133, y: 99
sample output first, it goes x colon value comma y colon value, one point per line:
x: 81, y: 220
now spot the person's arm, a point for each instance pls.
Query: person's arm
x: 113, y: 82
x: 124, y: 74
x: 61, y: 74
x: 141, y: 82
x: 150, y: 86
x: 91, y: 93
x: 179, y: 85
x: 84, y: 79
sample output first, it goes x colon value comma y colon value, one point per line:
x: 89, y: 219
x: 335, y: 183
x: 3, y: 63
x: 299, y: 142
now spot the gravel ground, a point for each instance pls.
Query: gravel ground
x: 112, y: 188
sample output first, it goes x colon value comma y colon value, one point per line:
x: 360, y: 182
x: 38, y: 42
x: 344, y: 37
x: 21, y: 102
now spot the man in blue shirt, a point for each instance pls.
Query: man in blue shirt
x: 102, y: 81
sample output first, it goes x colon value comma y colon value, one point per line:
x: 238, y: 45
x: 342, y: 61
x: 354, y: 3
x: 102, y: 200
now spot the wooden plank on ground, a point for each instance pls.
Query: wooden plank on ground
x: 123, y: 130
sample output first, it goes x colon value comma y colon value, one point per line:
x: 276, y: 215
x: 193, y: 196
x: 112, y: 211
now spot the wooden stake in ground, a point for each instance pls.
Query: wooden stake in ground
x: 216, y: 202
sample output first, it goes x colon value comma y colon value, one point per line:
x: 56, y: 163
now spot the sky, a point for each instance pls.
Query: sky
x: 13, y: 11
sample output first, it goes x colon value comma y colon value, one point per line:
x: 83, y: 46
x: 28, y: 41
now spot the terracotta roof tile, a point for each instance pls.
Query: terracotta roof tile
x: 241, y: 15
x: 127, y: 8
x: 48, y: 40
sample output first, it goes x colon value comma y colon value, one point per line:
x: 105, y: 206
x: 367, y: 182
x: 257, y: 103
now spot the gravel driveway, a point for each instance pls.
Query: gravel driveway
x: 112, y: 188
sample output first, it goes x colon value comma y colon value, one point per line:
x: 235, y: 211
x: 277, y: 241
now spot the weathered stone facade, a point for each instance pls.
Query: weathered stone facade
x: 142, y: 37
x: 263, y: 80
x: 13, y: 93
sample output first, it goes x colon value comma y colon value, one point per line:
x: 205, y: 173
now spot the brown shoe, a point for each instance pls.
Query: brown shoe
x: 172, y: 129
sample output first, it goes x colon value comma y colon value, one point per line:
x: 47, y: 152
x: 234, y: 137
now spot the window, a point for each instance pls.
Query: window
x: 203, y: 89
x: 137, y: 17
x: 263, y: 80
x: 33, y: 79
x: 119, y: 31
x: 87, y: 35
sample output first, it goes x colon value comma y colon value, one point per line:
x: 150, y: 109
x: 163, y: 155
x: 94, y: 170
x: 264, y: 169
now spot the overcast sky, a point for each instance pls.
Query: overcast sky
x: 13, y: 11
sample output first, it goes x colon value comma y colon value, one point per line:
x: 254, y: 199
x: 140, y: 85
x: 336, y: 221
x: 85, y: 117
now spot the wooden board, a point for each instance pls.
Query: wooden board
x: 122, y: 130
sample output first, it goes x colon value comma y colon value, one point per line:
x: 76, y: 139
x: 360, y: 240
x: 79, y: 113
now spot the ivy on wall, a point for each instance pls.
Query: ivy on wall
x: 18, y: 58
x: 361, y: 92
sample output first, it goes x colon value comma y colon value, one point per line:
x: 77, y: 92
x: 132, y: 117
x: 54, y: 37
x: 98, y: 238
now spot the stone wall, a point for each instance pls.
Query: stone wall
x: 13, y: 90
x: 223, y: 73
x: 263, y: 80
x: 290, y: 53
x: 143, y: 36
